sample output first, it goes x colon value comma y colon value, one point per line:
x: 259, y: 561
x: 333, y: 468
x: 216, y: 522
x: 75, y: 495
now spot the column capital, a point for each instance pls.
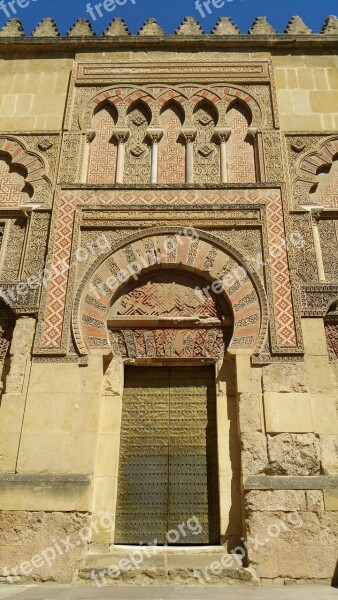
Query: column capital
x: 90, y: 135
x: 222, y: 134
x: 315, y: 210
x: 252, y: 132
x: 154, y: 134
x: 120, y: 135
x: 189, y: 135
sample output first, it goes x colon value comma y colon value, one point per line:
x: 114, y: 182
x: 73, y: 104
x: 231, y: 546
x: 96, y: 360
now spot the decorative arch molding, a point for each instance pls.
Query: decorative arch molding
x: 32, y: 163
x: 309, y: 167
x: 219, y: 95
x: 201, y: 253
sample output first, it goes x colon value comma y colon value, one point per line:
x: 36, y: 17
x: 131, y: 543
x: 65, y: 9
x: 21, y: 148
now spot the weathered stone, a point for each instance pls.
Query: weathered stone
x: 189, y: 27
x: 151, y: 27
x: 46, y: 28
x: 261, y: 27
x: 24, y: 535
x: 272, y: 501
x: 254, y: 453
x: 12, y: 28
x: 225, y: 26
x: 266, y: 482
x: 290, y: 413
x: 296, y: 26
x: 285, y: 378
x: 293, y: 454
x: 307, y: 532
x: 329, y: 454
x: 20, y: 351
x: 117, y: 27
x: 81, y: 27
x: 250, y: 417
x: 330, y: 26
x: 331, y: 500
x: 315, y: 501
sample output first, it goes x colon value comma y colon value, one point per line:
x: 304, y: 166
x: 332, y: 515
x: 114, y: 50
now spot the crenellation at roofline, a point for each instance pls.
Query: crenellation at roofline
x: 225, y: 29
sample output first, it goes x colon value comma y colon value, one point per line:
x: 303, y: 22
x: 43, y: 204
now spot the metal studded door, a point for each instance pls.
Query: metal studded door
x: 168, y: 457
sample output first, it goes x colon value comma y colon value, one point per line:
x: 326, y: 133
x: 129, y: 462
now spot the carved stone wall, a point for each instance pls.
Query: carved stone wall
x: 206, y: 153
x: 171, y: 154
x: 137, y: 161
x: 240, y: 150
x: 102, y: 153
x: 13, y: 189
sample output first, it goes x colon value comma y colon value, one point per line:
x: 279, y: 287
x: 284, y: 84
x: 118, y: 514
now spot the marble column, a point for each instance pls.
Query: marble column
x: 222, y: 135
x: 189, y: 136
x: 315, y: 213
x: 121, y: 136
x: 154, y: 135
x: 89, y: 137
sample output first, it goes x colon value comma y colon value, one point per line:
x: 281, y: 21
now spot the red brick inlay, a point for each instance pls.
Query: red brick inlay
x: 271, y: 198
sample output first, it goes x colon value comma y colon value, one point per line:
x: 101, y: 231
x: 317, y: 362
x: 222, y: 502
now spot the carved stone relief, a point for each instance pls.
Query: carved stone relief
x: 13, y: 189
x: 206, y: 152
x: 240, y: 150
x: 137, y: 150
x: 13, y: 250
x: 37, y: 244
x: 329, y: 245
x: 102, y: 153
x: 171, y: 152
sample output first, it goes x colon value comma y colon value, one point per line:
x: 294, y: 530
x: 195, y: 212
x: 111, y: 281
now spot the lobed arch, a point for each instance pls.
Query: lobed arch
x: 221, y: 99
x: 202, y: 254
x: 31, y: 166
x: 311, y: 165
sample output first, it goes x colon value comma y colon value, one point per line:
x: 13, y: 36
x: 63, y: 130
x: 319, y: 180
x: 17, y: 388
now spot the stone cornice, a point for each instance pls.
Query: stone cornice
x: 189, y: 35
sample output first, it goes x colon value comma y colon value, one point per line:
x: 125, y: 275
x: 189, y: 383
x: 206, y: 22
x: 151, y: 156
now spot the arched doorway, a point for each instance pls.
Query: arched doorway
x: 181, y: 304
x: 168, y: 463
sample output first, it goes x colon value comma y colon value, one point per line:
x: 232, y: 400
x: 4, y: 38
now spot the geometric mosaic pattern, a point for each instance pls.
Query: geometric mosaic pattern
x: 102, y: 155
x: 171, y: 153
x: 327, y: 192
x: 199, y: 256
x: 167, y: 294
x: 63, y: 227
x: 11, y: 186
x: 240, y: 151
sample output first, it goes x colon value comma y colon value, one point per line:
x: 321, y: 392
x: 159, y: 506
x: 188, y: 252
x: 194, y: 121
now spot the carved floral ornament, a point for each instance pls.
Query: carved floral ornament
x: 206, y: 257
x: 32, y: 165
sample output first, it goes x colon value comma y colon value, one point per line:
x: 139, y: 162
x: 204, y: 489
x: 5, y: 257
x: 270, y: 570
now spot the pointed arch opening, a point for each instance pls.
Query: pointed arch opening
x: 102, y: 150
x: 171, y: 152
x: 14, y: 189
x: 241, y: 152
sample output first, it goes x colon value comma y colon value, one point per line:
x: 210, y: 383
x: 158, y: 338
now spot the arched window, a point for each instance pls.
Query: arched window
x: 14, y: 190
x: 171, y: 156
x: 241, y: 164
x: 103, y: 150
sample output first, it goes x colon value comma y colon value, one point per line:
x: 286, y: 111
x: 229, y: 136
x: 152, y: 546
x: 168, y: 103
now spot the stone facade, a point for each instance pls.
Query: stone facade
x: 169, y: 201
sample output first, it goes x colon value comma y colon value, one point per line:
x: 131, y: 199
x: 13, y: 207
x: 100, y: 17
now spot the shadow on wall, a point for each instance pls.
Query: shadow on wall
x: 335, y: 577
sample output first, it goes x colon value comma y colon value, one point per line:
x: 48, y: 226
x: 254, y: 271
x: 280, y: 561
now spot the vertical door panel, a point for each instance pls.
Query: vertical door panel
x: 193, y: 473
x: 168, y: 456
x: 143, y: 474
